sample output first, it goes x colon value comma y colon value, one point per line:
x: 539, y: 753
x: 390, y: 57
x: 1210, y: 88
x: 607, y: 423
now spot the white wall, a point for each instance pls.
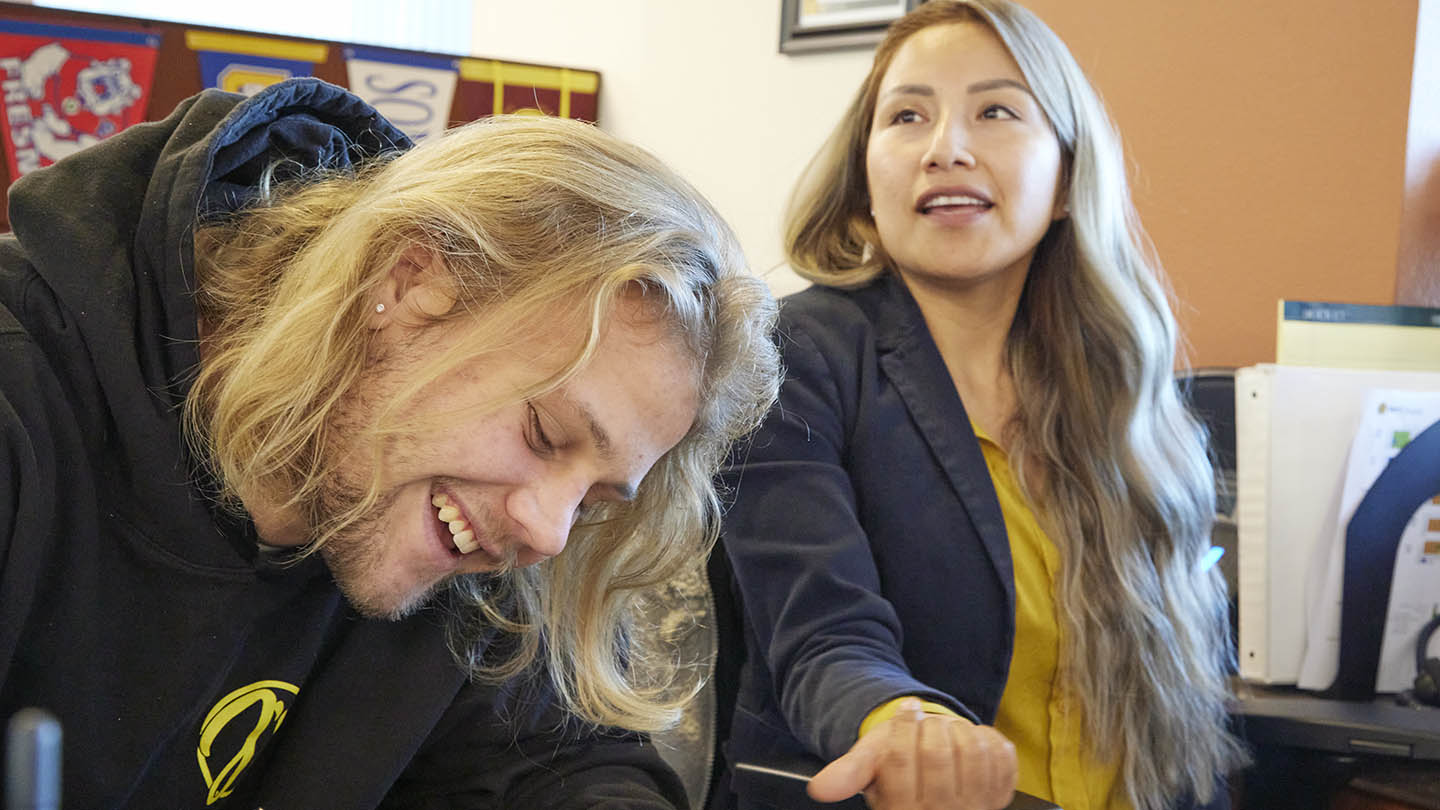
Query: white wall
x: 701, y: 84
x: 423, y: 25
x: 1417, y: 280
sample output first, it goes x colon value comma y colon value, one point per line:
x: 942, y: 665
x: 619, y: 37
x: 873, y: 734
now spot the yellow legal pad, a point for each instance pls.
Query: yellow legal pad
x: 1333, y: 335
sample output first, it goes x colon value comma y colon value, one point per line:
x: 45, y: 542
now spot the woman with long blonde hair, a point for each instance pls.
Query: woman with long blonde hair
x: 969, y: 538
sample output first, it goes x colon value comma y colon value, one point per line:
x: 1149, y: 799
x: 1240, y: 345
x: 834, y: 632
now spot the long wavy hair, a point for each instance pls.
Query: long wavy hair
x: 540, y: 223
x: 1101, y: 439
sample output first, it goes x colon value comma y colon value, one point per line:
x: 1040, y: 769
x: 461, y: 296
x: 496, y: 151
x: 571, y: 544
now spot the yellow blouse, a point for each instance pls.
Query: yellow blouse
x: 1035, y: 713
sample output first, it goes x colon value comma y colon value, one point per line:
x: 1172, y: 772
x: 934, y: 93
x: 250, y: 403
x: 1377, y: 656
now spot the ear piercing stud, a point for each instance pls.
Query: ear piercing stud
x: 379, y: 307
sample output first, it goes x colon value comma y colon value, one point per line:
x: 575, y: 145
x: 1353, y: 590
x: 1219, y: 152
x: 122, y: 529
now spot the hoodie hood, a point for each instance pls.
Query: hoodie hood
x: 133, y: 200
x: 110, y: 230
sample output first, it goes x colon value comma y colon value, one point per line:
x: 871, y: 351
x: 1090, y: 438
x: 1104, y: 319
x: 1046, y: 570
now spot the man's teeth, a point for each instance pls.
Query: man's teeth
x: 460, y: 532
x: 953, y: 199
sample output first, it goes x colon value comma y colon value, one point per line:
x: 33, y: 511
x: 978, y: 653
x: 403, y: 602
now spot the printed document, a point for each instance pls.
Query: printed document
x: 1389, y: 419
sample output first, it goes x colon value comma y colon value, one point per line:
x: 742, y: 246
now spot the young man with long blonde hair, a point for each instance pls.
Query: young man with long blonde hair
x: 296, y: 423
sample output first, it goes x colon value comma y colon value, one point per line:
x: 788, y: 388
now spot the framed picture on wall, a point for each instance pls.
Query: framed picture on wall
x: 827, y: 25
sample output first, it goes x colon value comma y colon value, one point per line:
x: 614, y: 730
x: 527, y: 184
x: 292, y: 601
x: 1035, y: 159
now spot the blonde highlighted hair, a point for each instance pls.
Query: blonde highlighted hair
x: 1101, y: 440
x: 537, y: 222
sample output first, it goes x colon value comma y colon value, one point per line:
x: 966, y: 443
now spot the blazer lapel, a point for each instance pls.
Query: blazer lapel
x: 910, y: 359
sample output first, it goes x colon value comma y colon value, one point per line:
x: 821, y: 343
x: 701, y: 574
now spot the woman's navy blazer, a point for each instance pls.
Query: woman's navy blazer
x: 865, y: 536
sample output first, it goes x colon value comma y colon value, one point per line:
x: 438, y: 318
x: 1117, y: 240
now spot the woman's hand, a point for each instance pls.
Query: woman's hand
x: 930, y: 761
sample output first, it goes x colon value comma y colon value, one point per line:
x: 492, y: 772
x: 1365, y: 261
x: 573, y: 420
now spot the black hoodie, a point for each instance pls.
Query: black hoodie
x: 186, y: 669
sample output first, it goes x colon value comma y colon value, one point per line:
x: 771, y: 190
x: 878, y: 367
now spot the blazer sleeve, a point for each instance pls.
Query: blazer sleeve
x: 803, y: 563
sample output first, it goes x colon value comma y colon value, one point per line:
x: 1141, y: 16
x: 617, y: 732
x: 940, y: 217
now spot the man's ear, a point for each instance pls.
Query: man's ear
x: 416, y: 290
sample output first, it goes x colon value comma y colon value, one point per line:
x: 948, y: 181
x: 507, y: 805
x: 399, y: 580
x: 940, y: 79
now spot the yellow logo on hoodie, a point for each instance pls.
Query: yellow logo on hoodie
x: 271, y: 699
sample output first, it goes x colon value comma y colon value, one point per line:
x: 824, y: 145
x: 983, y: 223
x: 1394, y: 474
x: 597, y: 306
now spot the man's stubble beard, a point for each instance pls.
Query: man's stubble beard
x: 356, y: 555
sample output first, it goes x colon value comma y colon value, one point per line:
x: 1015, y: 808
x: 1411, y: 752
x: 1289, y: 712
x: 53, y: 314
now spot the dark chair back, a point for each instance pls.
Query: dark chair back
x: 1210, y: 394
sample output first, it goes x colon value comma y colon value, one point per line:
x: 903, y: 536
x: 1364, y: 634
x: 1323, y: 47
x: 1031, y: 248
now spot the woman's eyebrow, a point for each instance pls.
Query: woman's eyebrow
x: 995, y: 84
x: 909, y: 90
x: 977, y: 87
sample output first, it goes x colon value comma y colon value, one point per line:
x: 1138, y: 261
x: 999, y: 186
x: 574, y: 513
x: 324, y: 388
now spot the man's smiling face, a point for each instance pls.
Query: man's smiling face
x: 473, y: 490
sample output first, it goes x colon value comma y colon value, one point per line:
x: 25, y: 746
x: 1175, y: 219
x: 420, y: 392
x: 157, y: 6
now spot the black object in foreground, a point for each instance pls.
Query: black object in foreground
x: 32, y: 761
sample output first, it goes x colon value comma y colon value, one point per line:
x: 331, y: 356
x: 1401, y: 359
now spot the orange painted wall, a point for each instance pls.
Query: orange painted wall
x: 1268, y: 145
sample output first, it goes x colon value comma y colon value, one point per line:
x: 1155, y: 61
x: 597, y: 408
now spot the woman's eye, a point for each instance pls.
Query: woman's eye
x: 535, y: 435
x: 999, y: 111
x: 905, y: 117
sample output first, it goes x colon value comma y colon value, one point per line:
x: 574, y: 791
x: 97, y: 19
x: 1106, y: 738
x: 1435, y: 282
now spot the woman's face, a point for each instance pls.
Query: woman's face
x: 962, y: 164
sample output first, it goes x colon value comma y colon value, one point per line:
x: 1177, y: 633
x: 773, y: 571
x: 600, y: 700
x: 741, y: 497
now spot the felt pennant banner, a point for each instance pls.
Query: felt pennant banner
x: 491, y: 87
x: 414, y: 91
x: 244, y: 64
x: 67, y: 87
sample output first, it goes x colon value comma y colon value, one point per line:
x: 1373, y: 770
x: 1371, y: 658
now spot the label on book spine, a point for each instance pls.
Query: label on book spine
x: 1322, y: 312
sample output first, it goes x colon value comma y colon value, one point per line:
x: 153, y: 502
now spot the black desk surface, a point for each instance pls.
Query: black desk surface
x: 1306, y: 748
x: 1379, y: 727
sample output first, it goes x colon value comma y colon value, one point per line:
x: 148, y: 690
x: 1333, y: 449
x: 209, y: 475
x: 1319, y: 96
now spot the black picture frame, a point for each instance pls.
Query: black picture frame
x: 848, y: 24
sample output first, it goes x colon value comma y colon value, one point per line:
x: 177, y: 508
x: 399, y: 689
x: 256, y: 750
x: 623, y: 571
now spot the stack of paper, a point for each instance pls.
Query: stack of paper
x: 1303, y: 462
x: 1389, y: 419
x: 1294, y: 429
